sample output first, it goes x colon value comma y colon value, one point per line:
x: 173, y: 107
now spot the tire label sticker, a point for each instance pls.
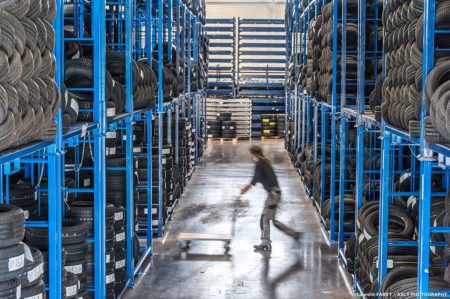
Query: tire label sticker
x: 118, y: 216
x: 19, y: 292
x: 145, y: 211
x: 110, y: 111
x: 120, y: 237
x: 75, y: 269
x: 367, y: 236
x: 120, y: 264
x: 155, y: 222
x: 108, y: 258
x: 361, y: 238
x: 39, y: 296
x: 74, y: 105
x: 87, y: 182
x: 154, y: 210
x: 34, y: 274
x: 136, y: 149
x: 26, y: 214
x: 16, y: 263
x: 71, y: 291
x: 166, y: 151
x: 110, y: 278
x: 111, y: 135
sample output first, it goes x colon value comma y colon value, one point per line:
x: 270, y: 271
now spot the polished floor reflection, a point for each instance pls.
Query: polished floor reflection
x: 307, y: 269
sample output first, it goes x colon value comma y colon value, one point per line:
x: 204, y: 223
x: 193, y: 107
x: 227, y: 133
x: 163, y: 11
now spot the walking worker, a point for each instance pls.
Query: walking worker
x: 265, y: 175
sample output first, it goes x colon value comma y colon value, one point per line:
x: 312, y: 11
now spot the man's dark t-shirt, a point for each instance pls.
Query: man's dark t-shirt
x: 265, y: 175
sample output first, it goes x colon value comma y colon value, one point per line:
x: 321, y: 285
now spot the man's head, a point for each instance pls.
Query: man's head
x: 256, y: 153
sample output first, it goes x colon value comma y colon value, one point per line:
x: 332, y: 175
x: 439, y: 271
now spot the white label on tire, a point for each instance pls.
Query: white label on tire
x: 155, y: 222
x: 87, y: 182
x: 361, y: 238
x: 19, y: 292
x: 35, y: 273
x: 16, y: 263
x: 390, y: 264
x: 26, y: 214
x: 120, y: 264
x: 71, y: 291
x: 118, y: 216
x: 75, y: 269
x: 136, y: 227
x: 110, y: 278
x: 154, y: 210
x: 74, y: 105
x: 108, y: 258
x: 145, y: 211
x: 38, y: 296
x: 166, y: 151
x: 120, y: 237
x: 111, y: 135
x: 110, y: 112
x: 136, y: 149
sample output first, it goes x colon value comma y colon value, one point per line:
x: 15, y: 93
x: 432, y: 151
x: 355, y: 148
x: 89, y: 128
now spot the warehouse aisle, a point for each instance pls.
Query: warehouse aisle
x: 305, y: 270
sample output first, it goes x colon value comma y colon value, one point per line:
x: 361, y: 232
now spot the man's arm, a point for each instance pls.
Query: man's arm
x: 253, y: 182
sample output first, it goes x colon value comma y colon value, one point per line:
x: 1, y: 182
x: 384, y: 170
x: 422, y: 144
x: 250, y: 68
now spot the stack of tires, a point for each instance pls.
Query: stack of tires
x: 116, y: 180
x: 325, y: 62
x: 74, y: 234
x: 281, y: 125
x: 84, y: 211
x: 214, y: 128
x: 365, y: 248
x: 29, y: 96
x: 349, y: 207
x: 403, y: 25
x: 222, y: 126
x: 268, y: 125
x: 12, y: 251
x: 119, y: 250
x: 229, y: 129
x: 314, y: 52
x: 437, y: 92
x: 203, y: 61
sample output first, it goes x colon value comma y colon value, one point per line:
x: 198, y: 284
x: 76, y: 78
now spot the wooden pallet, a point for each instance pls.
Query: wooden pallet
x: 222, y: 140
x: 272, y: 138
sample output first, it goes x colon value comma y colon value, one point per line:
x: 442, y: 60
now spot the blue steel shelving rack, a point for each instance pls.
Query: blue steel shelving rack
x: 50, y: 155
x: 427, y: 159
x: 261, y: 62
x: 222, y: 67
x: 366, y: 179
x: 316, y: 118
x: 432, y: 159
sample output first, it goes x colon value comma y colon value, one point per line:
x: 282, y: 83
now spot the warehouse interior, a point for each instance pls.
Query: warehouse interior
x: 224, y: 149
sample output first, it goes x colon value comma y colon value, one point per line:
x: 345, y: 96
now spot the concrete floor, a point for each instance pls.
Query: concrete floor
x: 308, y: 269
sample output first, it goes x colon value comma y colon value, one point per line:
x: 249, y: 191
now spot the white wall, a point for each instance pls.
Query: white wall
x: 256, y: 9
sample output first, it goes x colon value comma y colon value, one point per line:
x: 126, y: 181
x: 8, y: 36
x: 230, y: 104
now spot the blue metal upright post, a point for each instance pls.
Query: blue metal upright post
x: 160, y: 116
x: 130, y: 207
x: 426, y: 158
x: 98, y: 34
x: 384, y: 207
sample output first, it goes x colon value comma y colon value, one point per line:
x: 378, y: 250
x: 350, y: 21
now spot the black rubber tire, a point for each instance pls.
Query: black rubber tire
x: 34, y: 291
x: 12, y: 261
x: 33, y: 270
x: 120, y: 259
x: 10, y: 288
x: 119, y: 217
x: 12, y: 227
x: 70, y: 286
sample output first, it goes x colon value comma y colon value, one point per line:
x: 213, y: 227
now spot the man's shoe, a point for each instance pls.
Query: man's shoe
x: 261, y: 247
